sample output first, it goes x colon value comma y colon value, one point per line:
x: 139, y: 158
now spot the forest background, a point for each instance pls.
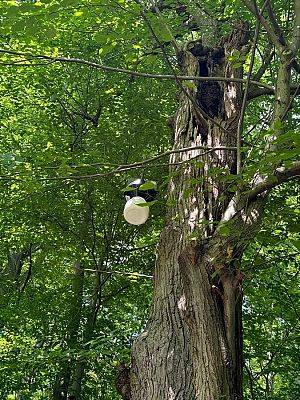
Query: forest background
x: 76, y: 279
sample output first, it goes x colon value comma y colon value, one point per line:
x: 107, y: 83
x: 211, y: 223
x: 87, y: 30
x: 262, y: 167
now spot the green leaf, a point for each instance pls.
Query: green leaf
x: 78, y: 13
x: 224, y: 230
x: 148, y: 185
x: 296, y: 243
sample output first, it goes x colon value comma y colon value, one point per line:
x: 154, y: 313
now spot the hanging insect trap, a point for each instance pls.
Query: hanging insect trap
x: 138, y: 194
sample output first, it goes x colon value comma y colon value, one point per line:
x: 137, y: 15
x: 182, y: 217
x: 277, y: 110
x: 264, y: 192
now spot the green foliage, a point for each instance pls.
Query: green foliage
x: 44, y: 134
x: 271, y: 307
x: 61, y: 197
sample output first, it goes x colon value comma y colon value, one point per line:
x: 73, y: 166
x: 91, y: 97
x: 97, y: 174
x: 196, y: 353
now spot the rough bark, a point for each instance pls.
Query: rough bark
x: 191, y: 347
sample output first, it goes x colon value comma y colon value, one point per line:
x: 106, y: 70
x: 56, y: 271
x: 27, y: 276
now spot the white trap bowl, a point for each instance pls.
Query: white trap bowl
x: 134, y: 214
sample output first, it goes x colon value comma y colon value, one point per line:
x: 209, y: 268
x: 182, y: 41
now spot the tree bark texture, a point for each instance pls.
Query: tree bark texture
x: 191, y: 346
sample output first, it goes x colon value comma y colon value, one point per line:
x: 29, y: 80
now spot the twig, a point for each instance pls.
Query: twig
x: 282, y: 344
x: 174, y: 42
x: 127, y: 167
x: 113, y: 295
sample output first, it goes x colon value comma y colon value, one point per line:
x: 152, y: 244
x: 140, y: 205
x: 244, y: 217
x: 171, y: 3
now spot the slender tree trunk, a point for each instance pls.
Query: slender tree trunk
x: 79, y: 367
x: 62, y: 380
x: 192, y: 345
x: 69, y: 378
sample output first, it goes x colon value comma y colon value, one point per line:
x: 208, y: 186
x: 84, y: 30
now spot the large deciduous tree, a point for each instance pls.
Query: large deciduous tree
x: 191, y: 347
x: 229, y: 60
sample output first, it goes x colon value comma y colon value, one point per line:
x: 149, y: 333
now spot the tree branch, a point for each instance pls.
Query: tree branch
x: 266, y: 62
x: 127, y: 167
x: 272, y: 35
x: 296, y: 34
x: 280, y: 175
x: 296, y: 66
x: 257, y: 92
x: 274, y: 22
x: 130, y: 72
x: 243, y: 108
x: 243, y: 199
x: 289, y: 106
x: 253, y: 94
x: 123, y: 273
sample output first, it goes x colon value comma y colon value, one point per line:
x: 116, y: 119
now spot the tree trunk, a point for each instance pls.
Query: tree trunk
x: 62, y: 380
x: 192, y: 345
x: 79, y: 367
x: 68, y: 380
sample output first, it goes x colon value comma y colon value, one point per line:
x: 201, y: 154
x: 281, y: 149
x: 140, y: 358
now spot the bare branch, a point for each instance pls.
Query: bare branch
x: 130, y: 274
x: 257, y: 92
x: 127, y: 167
x: 130, y: 72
